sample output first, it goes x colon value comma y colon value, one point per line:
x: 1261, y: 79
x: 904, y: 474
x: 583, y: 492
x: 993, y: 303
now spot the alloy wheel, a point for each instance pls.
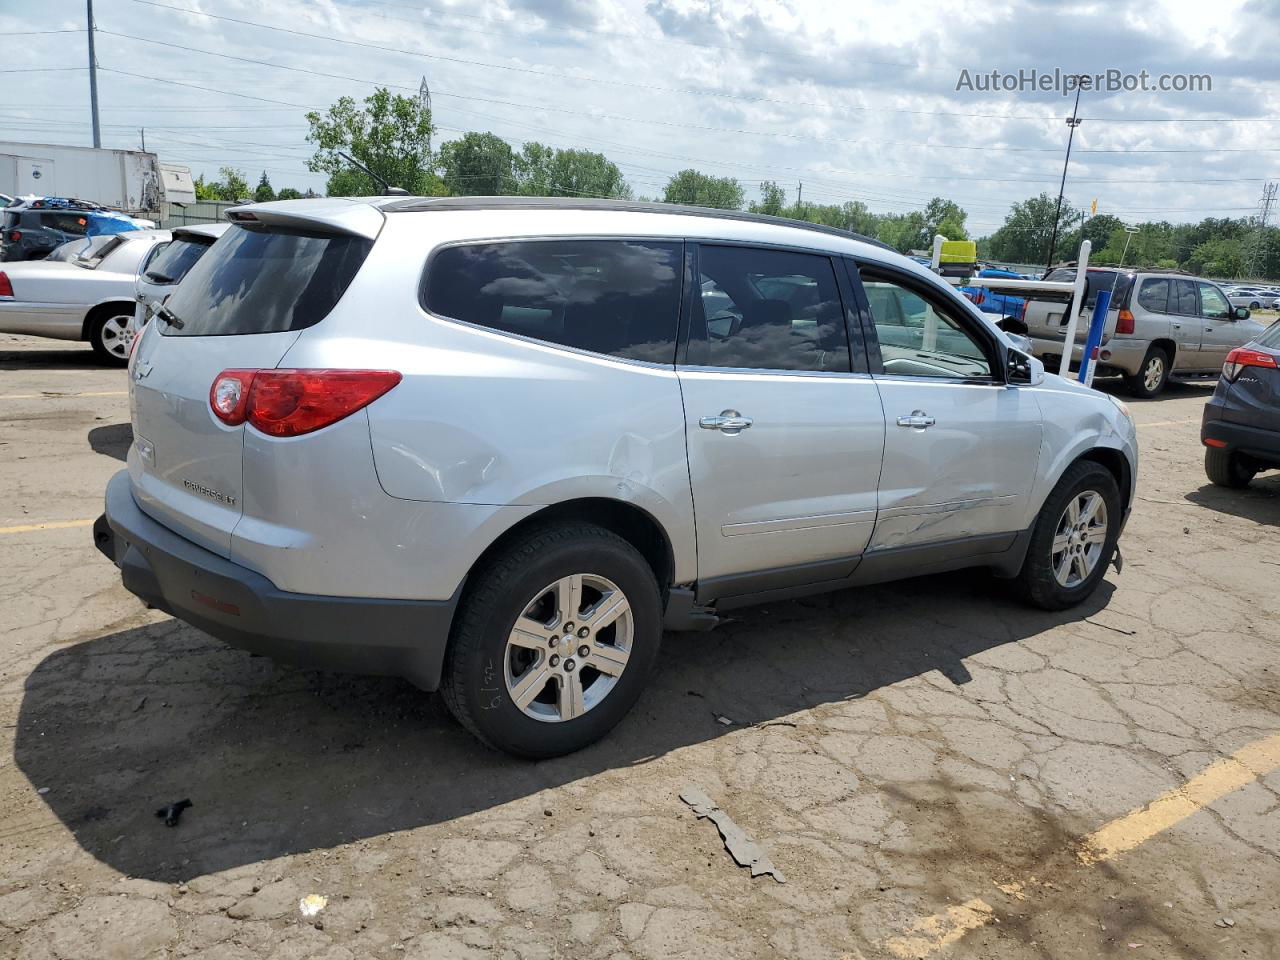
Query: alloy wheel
x: 115, y: 336
x: 1079, y: 539
x: 1153, y: 374
x: 568, y: 648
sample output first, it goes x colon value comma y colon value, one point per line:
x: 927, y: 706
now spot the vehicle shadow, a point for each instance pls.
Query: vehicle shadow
x: 279, y: 761
x: 66, y: 358
x: 1259, y: 502
x: 112, y: 440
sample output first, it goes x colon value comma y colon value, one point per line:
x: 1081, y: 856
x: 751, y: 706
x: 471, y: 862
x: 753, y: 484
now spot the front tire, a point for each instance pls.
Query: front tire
x: 1151, y: 377
x: 554, y: 641
x: 111, y: 336
x: 1228, y: 469
x: 1073, y: 540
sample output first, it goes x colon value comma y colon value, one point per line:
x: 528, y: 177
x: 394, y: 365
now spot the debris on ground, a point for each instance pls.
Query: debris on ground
x: 1224, y: 922
x: 312, y: 904
x: 745, y: 851
x: 723, y: 720
x: 173, y: 812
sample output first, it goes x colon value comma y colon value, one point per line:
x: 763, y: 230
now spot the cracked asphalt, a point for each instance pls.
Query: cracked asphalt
x: 923, y: 761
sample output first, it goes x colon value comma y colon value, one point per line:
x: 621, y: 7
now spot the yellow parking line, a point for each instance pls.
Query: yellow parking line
x: 51, y: 525
x: 930, y: 935
x: 1217, y: 780
x: 60, y: 396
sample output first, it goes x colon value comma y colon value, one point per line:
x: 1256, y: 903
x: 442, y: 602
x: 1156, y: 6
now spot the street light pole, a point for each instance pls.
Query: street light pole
x: 93, y: 81
x: 1073, y: 121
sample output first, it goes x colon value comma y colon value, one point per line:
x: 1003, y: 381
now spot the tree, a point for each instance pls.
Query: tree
x: 1220, y: 257
x: 703, y: 190
x: 204, y: 190
x: 230, y: 186
x: 479, y: 164
x: 939, y: 213
x: 542, y: 171
x: 289, y: 193
x: 903, y: 231
x: 773, y: 200
x: 391, y: 135
x: 1024, y: 237
x: 264, y: 193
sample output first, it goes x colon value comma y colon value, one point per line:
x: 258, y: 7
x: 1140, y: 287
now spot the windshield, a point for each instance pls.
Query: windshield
x: 1099, y: 280
x: 92, y: 251
x: 173, y: 261
x: 255, y: 280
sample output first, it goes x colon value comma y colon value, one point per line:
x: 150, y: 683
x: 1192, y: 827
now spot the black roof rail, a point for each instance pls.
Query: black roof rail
x: 423, y: 204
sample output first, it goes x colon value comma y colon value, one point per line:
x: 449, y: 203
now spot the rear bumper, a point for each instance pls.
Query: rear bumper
x: 403, y: 638
x: 1119, y: 353
x: 1252, y: 441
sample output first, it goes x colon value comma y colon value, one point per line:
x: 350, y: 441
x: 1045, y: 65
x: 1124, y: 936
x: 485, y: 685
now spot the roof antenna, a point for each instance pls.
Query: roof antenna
x: 387, y: 189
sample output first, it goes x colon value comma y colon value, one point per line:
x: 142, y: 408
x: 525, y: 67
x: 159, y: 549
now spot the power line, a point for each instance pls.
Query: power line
x: 587, y: 79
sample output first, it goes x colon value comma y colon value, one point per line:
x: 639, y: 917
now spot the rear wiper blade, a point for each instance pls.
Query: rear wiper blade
x: 169, y: 316
x: 158, y: 277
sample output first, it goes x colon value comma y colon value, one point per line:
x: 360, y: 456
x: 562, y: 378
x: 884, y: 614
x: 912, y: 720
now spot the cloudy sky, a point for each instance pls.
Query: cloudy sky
x: 855, y: 100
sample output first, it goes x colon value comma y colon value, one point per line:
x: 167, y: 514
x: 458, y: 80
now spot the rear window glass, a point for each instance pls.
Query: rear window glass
x: 1099, y: 280
x: 616, y: 297
x: 1154, y: 295
x: 171, y: 261
x: 265, y: 281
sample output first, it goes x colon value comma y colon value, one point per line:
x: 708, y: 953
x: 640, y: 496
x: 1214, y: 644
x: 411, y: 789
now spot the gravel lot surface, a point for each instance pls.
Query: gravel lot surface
x: 935, y: 769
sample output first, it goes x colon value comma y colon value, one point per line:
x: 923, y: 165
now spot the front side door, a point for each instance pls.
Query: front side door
x: 1220, y: 333
x: 961, y: 446
x: 783, y: 423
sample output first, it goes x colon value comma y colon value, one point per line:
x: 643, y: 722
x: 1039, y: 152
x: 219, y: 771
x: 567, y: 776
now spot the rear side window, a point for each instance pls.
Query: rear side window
x: 616, y: 297
x: 1120, y: 285
x: 762, y: 309
x: 1154, y: 295
x: 1182, y: 299
x: 260, y: 280
x: 171, y: 261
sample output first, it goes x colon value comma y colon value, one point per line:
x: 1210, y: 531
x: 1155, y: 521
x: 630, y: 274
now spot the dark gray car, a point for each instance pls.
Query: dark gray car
x: 1241, y: 425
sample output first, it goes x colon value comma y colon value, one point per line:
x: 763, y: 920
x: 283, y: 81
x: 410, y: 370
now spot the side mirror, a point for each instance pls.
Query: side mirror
x: 1242, y: 313
x: 1024, y: 369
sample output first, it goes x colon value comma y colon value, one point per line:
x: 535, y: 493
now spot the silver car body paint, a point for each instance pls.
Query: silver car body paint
x: 486, y: 429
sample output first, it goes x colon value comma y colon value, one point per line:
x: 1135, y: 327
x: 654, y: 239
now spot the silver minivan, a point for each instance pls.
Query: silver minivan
x: 498, y: 445
x: 1159, y: 324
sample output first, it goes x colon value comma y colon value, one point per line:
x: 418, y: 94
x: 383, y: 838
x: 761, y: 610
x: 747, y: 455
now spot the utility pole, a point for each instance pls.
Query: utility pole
x: 1073, y: 121
x: 142, y: 132
x: 1259, y: 247
x: 93, y: 79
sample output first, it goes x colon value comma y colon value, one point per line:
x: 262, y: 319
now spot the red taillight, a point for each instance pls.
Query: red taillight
x: 1022, y: 315
x: 1124, y: 322
x: 978, y: 298
x: 15, y: 236
x: 6, y: 288
x: 288, y: 403
x: 1240, y: 358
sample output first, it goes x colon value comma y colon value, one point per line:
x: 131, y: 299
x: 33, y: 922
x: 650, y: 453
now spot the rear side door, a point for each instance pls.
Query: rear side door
x: 961, y: 446
x: 1185, y: 325
x: 783, y: 423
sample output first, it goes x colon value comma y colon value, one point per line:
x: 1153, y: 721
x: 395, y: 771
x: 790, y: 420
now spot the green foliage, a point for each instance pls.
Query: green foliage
x: 945, y: 217
x: 479, y: 164
x: 773, y: 200
x: 391, y: 135
x: 1220, y: 257
x: 289, y: 193
x: 204, y: 189
x: 1024, y: 237
x: 904, y: 231
x: 542, y: 171
x: 264, y: 193
x: 703, y: 190
x: 230, y: 186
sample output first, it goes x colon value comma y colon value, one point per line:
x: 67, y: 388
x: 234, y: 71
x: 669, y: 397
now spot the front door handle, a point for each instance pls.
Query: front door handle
x: 918, y: 419
x: 730, y: 422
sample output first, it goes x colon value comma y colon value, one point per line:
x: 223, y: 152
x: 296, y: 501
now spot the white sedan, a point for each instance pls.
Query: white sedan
x: 88, y: 297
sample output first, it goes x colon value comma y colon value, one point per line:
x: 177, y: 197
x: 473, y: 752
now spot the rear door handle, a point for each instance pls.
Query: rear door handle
x: 730, y: 422
x: 918, y: 419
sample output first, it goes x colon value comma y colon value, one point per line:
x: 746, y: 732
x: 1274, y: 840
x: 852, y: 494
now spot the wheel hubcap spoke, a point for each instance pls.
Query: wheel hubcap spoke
x: 569, y: 598
x: 609, y: 659
x: 1079, y: 540
x: 531, y: 683
x: 571, y: 696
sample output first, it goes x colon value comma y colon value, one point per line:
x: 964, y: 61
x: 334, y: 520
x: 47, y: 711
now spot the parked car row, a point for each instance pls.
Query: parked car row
x: 32, y: 228
x: 326, y: 467
x: 1255, y: 298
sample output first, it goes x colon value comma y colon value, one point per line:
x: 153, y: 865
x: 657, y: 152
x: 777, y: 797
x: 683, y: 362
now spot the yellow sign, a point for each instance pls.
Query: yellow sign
x: 1093, y: 207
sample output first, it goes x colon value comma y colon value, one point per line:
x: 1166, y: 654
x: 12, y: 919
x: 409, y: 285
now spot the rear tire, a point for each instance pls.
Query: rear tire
x: 1062, y: 567
x: 1151, y: 377
x: 1228, y: 469
x: 111, y: 336
x: 493, y: 674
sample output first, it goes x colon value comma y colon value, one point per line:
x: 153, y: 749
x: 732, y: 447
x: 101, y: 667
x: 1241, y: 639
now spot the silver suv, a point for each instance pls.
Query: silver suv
x: 496, y: 446
x: 1159, y: 324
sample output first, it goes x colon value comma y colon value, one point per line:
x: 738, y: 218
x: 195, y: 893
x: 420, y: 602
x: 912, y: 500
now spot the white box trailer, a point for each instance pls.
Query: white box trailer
x: 128, y: 180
